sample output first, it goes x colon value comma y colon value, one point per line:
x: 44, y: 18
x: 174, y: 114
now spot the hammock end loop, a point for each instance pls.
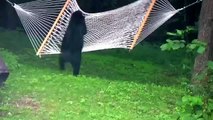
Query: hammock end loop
x: 189, y: 5
x: 12, y: 4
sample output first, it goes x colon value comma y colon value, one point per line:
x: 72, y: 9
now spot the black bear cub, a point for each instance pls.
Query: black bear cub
x: 72, y: 43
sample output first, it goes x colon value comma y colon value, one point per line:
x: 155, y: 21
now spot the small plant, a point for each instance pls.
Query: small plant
x: 10, y: 59
x: 193, y: 107
x: 177, y: 41
x: 210, y: 65
x: 173, y: 45
x: 197, y: 46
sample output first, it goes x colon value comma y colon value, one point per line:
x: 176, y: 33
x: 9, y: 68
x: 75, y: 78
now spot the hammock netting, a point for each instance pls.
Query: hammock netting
x: 46, y: 21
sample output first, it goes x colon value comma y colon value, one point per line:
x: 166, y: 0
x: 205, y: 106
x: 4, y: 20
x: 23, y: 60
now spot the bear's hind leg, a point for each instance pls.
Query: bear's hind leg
x: 76, y: 63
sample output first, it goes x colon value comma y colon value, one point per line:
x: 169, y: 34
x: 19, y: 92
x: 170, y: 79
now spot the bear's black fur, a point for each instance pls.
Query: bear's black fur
x: 4, y: 72
x: 72, y: 43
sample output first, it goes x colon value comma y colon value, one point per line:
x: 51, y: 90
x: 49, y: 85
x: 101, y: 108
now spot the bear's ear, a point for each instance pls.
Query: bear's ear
x: 78, y: 13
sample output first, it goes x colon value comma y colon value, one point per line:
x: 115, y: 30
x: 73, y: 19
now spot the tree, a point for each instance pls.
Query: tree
x: 205, y: 34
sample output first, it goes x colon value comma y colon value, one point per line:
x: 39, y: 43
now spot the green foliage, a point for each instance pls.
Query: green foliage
x: 10, y: 59
x: 176, y: 41
x: 210, y: 65
x: 210, y: 107
x: 180, y: 34
x: 192, y: 101
x: 197, y: 45
x: 194, y: 108
x: 191, y: 108
x: 172, y: 45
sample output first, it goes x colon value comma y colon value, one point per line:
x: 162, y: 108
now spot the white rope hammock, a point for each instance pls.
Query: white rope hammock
x: 46, y: 21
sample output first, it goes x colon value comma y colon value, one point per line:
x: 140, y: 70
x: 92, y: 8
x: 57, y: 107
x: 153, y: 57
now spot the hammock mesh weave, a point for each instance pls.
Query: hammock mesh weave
x: 46, y: 21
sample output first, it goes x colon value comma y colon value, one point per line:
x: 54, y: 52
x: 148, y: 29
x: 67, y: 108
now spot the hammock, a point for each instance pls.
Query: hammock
x: 46, y: 21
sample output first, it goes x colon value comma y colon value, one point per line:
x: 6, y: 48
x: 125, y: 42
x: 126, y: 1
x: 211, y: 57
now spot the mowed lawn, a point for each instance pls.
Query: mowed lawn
x: 143, y: 84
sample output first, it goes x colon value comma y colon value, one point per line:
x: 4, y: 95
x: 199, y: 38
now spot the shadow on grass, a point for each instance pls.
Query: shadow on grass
x: 107, y: 67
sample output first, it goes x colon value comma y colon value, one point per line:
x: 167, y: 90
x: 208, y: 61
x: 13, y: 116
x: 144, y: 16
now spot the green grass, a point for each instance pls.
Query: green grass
x: 144, y: 84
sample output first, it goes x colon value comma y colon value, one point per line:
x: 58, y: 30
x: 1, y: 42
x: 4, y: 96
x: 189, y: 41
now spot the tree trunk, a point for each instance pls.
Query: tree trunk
x: 205, y: 35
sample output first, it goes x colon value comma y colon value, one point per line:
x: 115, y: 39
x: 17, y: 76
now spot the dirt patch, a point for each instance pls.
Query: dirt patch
x: 28, y: 102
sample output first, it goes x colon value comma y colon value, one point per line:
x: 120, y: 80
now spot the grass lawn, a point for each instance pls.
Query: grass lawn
x: 144, y: 84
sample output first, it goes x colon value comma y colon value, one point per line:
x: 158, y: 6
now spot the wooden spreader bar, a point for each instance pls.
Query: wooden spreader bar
x: 53, y: 27
x: 143, y: 23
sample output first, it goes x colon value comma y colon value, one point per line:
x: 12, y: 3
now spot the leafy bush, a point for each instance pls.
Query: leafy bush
x: 173, y: 45
x: 193, y: 107
x: 9, y: 58
x: 176, y: 41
